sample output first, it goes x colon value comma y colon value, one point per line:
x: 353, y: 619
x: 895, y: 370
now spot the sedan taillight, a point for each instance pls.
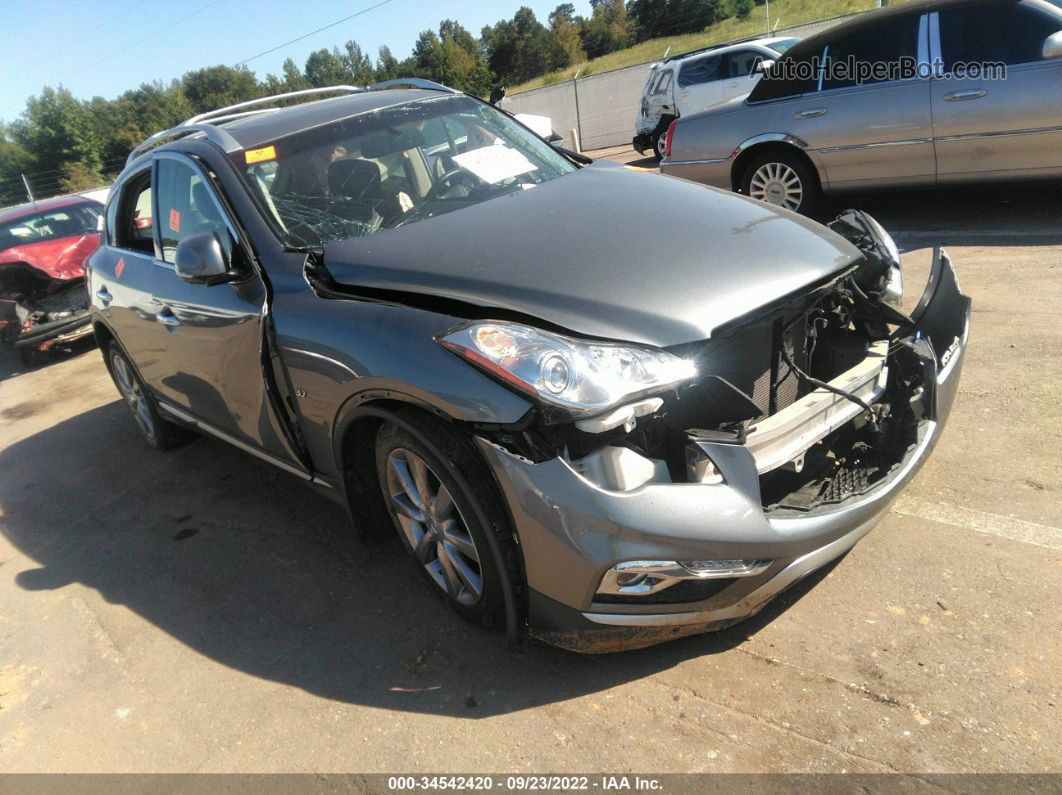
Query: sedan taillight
x: 668, y: 136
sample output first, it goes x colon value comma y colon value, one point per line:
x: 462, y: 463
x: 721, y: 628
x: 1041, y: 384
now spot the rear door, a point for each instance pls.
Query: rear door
x: 698, y: 86
x: 874, y: 129
x: 212, y: 366
x: 659, y: 100
x: 987, y: 125
x: 738, y: 71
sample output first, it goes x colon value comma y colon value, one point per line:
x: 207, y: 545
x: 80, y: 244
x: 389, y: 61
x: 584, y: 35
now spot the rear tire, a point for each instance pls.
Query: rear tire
x: 658, y: 145
x: 440, y: 497
x: 158, y: 432
x: 784, y: 179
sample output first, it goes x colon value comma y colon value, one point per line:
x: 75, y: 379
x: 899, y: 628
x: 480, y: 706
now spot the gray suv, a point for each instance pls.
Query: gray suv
x: 421, y: 309
x: 966, y: 90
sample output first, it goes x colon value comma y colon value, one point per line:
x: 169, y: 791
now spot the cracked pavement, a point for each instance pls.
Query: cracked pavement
x: 200, y: 611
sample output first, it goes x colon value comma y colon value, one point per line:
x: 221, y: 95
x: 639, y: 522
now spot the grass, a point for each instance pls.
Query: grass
x: 784, y: 14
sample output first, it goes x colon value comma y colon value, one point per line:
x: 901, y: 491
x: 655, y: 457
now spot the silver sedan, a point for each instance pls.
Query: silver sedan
x: 927, y: 93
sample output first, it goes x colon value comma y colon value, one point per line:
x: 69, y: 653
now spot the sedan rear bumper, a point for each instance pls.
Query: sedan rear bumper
x: 571, y: 531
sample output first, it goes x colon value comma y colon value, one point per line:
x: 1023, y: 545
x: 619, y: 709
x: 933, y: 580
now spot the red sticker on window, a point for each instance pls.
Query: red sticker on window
x: 175, y: 221
x: 118, y: 268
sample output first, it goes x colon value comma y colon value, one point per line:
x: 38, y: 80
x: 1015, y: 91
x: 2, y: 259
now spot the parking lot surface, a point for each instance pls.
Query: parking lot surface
x: 198, y: 610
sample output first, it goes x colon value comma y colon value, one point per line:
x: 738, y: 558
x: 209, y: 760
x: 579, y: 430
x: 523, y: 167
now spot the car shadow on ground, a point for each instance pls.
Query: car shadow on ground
x: 11, y: 364
x: 244, y: 564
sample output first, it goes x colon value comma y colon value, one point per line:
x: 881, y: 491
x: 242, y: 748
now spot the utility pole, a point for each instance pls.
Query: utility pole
x: 29, y: 192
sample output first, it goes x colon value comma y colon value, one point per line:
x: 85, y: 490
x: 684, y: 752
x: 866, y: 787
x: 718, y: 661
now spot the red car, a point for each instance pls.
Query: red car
x: 43, y: 248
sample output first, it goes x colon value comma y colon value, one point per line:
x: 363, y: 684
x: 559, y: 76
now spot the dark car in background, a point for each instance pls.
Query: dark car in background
x: 414, y: 304
x: 43, y: 248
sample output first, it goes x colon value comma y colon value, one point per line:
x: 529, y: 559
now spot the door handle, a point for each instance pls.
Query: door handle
x: 104, y: 295
x: 958, y: 96
x: 811, y: 114
x: 166, y: 317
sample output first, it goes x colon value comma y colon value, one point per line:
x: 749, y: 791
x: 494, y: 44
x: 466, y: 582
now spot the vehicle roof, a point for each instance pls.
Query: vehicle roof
x: 724, y: 48
x: 42, y: 205
x: 875, y: 17
x: 264, y: 127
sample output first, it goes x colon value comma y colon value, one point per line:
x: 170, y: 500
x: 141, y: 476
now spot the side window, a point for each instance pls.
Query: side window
x: 131, y: 223
x: 187, y: 207
x: 884, y: 44
x: 740, y: 63
x: 702, y: 70
x: 793, y: 74
x: 1012, y: 33
x: 663, y: 83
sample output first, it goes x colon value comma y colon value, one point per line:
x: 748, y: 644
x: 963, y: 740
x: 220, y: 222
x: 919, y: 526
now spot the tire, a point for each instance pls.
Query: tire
x: 658, y: 146
x: 158, y: 432
x: 452, y: 546
x: 775, y: 176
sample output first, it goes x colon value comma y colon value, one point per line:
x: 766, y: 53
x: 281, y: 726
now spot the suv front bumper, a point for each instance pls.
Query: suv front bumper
x: 571, y: 531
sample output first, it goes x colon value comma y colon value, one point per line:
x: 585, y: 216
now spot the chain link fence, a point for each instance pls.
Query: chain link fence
x: 601, y: 108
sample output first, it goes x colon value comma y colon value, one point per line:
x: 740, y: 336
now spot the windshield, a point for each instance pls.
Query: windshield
x: 78, y: 219
x: 394, y: 166
x: 781, y: 47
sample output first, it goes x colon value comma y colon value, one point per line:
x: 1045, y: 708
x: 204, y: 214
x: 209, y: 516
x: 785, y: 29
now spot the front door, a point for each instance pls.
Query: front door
x: 213, y: 362
x: 985, y: 125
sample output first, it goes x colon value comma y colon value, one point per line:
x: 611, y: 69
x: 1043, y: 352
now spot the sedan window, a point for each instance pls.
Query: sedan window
x: 1007, y: 33
x: 886, y: 43
x: 187, y: 208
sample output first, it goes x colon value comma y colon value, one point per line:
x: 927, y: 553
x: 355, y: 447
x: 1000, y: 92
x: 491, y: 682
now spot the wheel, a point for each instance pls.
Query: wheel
x: 658, y: 145
x: 158, y: 432
x: 441, y: 501
x: 784, y: 179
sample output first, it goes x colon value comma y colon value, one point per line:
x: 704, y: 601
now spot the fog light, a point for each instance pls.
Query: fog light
x: 724, y: 568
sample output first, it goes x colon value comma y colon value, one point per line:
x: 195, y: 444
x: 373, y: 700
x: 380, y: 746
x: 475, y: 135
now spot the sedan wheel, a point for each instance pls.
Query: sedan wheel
x: 777, y: 183
x: 434, y: 526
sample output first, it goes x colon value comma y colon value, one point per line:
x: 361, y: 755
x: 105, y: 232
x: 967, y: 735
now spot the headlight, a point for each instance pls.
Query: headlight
x: 580, y: 376
x: 871, y: 238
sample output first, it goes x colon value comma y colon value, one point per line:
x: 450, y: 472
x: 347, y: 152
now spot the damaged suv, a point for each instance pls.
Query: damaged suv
x: 456, y: 330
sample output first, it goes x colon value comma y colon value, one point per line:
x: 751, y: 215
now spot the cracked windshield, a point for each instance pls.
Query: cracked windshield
x: 394, y: 166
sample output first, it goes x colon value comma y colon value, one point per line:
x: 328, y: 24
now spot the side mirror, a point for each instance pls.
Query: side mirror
x: 497, y: 95
x: 200, y: 260
x: 554, y: 137
x: 1053, y: 46
x: 762, y: 67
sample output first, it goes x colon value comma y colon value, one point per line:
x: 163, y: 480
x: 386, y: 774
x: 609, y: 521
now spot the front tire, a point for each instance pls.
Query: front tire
x: 783, y: 179
x: 158, y: 432
x: 439, y: 496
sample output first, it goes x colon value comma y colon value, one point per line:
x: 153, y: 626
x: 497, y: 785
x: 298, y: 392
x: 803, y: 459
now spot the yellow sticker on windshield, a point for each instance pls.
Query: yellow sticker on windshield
x: 260, y: 155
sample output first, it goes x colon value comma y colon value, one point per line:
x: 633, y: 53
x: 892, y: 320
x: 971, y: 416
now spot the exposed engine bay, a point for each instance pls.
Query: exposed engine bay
x: 825, y: 389
x: 38, y: 311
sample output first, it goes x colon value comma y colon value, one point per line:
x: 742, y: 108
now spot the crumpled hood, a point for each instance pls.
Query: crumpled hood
x: 606, y: 251
x: 62, y: 259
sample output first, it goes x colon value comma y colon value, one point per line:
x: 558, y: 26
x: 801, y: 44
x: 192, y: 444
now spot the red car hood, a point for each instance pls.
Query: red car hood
x: 62, y: 259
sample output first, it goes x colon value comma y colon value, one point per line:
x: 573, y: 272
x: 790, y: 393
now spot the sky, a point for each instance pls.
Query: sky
x: 105, y: 47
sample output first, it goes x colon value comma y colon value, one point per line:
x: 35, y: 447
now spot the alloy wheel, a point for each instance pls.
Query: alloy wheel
x: 134, y: 395
x: 777, y: 183
x: 433, y: 526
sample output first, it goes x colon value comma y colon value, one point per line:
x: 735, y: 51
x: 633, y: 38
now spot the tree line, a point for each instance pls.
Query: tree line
x: 66, y: 144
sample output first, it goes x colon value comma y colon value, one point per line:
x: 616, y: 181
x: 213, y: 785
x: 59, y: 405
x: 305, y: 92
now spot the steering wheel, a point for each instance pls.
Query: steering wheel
x: 445, y: 179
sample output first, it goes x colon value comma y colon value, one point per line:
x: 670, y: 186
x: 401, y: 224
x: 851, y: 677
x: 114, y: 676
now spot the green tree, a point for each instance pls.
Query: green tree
x: 565, y: 46
x: 57, y: 129
x: 517, y: 49
x: 387, y: 66
x: 359, y: 65
x: 15, y: 160
x: 218, y: 86
x: 742, y: 8
x: 608, y: 29
x: 453, y: 58
x: 75, y: 177
x: 327, y: 68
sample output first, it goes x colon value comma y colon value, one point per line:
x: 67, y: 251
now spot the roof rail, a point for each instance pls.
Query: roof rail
x: 206, y: 123
x: 226, y: 112
x: 213, y: 134
x: 412, y: 82
x: 688, y: 53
